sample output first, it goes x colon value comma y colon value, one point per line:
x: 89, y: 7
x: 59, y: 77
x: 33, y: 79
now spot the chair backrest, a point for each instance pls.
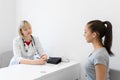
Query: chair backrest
x: 114, y: 74
x: 114, y: 68
x: 5, y: 58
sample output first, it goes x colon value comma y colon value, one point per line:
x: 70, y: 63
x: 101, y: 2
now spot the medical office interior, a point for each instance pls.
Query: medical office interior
x: 59, y: 24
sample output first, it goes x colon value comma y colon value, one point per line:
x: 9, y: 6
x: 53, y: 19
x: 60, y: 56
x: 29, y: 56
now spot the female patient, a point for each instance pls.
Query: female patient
x: 100, y: 35
x: 27, y: 48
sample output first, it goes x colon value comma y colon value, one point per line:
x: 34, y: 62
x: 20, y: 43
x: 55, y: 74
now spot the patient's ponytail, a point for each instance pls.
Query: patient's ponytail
x: 108, y: 37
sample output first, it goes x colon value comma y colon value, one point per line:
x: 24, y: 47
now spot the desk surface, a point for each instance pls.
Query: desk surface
x: 32, y: 72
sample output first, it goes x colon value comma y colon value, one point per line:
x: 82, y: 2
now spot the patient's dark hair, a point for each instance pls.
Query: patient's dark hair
x: 103, y: 29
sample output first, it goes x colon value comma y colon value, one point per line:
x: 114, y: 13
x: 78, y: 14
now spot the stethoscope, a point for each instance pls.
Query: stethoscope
x: 32, y: 43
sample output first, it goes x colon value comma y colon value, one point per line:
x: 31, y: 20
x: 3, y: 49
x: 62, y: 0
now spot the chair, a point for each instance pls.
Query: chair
x: 5, y: 58
x: 114, y: 68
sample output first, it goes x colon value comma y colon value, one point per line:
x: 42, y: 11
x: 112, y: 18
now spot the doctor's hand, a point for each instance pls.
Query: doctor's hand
x: 42, y: 60
x: 44, y: 57
x: 39, y: 61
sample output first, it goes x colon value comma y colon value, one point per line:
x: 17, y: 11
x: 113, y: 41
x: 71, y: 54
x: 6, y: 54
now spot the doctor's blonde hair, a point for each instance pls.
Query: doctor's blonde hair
x: 23, y: 24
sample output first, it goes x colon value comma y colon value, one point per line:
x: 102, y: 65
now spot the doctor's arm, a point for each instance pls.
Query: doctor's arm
x: 29, y: 61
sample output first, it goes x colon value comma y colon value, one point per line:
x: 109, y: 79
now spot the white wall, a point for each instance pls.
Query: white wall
x: 60, y: 23
x: 7, y: 24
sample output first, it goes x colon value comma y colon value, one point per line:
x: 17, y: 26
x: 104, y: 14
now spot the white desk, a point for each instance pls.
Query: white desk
x: 61, y: 71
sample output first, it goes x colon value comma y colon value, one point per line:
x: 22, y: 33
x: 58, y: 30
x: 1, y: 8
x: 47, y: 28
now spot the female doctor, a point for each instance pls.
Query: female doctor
x: 27, y: 48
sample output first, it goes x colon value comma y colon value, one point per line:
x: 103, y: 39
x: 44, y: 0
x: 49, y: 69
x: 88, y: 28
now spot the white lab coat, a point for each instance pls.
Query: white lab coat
x: 19, y: 50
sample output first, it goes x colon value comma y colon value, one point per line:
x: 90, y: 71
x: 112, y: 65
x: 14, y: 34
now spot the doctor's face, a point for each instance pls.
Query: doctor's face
x: 26, y: 30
